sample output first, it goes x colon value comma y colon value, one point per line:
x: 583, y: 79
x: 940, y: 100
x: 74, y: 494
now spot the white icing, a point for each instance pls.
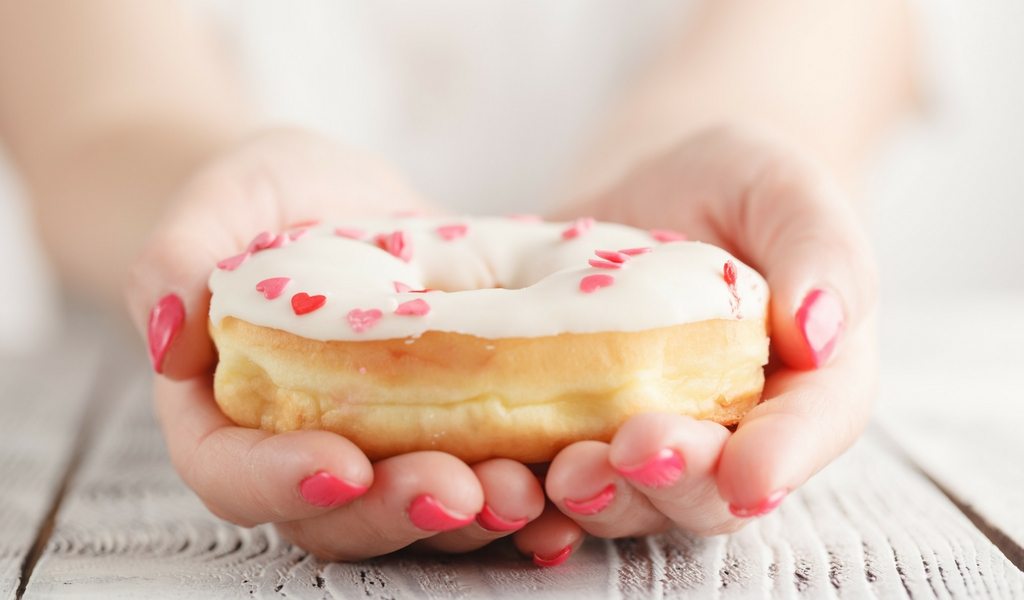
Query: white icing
x: 504, y: 278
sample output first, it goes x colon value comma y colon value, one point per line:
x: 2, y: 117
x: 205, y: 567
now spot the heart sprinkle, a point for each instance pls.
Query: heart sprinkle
x: 592, y: 283
x: 413, y: 308
x: 272, y: 288
x: 396, y: 244
x: 303, y: 303
x: 613, y: 256
x: 351, y: 233
x: 667, y: 235
x: 578, y: 228
x: 361, y: 320
x: 298, y: 233
x: 232, y: 263
x: 452, y: 232
x: 729, y: 273
x: 636, y: 251
x: 604, y: 264
x: 402, y: 288
x: 262, y: 241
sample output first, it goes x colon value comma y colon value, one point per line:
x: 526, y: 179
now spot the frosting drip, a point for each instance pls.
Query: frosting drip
x: 490, y: 277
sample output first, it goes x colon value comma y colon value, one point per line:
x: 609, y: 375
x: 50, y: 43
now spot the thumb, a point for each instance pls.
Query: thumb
x: 808, y: 243
x: 278, y: 181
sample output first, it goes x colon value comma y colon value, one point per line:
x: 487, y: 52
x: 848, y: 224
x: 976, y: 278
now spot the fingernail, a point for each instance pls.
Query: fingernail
x: 661, y: 470
x: 763, y: 507
x: 820, y: 319
x: 165, y: 321
x: 554, y: 560
x: 428, y: 514
x: 490, y: 521
x: 324, y: 489
x: 592, y: 505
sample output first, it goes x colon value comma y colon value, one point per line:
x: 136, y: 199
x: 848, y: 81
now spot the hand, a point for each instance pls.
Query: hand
x: 317, y: 487
x: 780, y: 213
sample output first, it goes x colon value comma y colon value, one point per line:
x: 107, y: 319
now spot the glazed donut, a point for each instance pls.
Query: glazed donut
x: 483, y: 337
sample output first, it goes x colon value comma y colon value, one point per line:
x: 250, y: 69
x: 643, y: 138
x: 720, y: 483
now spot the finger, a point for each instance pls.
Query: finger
x: 248, y: 476
x: 266, y: 187
x: 550, y: 539
x: 807, y: 419
x: 414, y: 496
x: 789, y: 220
x: 512, y: 498
x: 584, y: 486
x: 672, y: 460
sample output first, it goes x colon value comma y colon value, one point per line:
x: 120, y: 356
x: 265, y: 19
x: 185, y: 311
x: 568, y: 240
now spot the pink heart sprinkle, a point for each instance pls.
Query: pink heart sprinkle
x: 298, y: 233
x: 232, y: 263
x: 402, y: 288
x: 578, y: 228
x: 413, y: 308
x: 729, y: 273
x: 592, y: 283
x: 613, y: 256
x: 396, y: 244
x: 352, y: 233
x: 452, y: 232
x: 262, y: 241
x: 525, y: 218
x: 667, y: 235
x: 303, y: 303
x: 636, y: 251
x: 280, y: 241
x: 272, y: 288
x: 603, y: 264
x: 361, y: 320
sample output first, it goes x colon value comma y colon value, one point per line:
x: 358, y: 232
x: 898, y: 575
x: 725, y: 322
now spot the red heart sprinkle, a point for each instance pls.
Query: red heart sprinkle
x: 303, y: 303
x: 452, y: 232
x: 232, y: 263
x: 361, y: 320
x: 613, y: 256
x: 413, y: 308
x: 352, y: 233
x: 636, y: 251
x: 667, y: 235
x: 603, y: 264
x: 578, y: 228
x: 729, y: 273
x: 262, y: 241
x: 592, y: 283
x: 396, y: 244
x: 402, y: 288
x: 272, y: 288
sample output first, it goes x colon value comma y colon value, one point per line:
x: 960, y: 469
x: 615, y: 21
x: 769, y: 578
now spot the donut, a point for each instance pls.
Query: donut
x: 483, y: 337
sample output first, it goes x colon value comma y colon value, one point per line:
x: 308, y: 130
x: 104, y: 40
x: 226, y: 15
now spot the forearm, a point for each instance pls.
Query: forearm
x: 103, y: 118
x: 829, y: 75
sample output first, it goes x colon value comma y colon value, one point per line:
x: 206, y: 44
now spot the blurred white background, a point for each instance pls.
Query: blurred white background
x: 947, y: 191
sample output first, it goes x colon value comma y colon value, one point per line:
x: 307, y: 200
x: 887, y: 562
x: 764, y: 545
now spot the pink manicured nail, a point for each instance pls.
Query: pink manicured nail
x: 820, y: 319
x: 428, y: 514
x: 490, y: 521
x: 552, y: 561
x: 324, y: 489
x: 165, y: 321
x: 763, y: 507
x: 661, y: 470
x: 594, y: 504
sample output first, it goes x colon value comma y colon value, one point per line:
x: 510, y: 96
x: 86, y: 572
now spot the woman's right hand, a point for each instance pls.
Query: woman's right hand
x: 319, y: 489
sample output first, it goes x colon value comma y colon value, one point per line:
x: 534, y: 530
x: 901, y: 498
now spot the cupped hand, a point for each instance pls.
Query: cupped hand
x: 779, y: 212
x: 317, y: 487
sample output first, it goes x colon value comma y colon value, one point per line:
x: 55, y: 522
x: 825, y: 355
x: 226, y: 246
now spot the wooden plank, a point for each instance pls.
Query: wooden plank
x: 953, y: 386
x: 869, y: 524
x: 42, y: 399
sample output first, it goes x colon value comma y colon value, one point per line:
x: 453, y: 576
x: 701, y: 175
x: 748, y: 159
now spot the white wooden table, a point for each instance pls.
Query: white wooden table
x: 929, y: 503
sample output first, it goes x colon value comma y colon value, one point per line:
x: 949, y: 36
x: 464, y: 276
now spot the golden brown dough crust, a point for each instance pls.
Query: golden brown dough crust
x: 519, y: 398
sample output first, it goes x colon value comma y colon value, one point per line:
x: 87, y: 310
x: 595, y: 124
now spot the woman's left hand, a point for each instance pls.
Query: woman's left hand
x: 782, y: 214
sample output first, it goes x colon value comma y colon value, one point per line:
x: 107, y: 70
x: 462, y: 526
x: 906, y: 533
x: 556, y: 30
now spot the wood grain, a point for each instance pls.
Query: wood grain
x: 42, y: 398
x: 870, y: 524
